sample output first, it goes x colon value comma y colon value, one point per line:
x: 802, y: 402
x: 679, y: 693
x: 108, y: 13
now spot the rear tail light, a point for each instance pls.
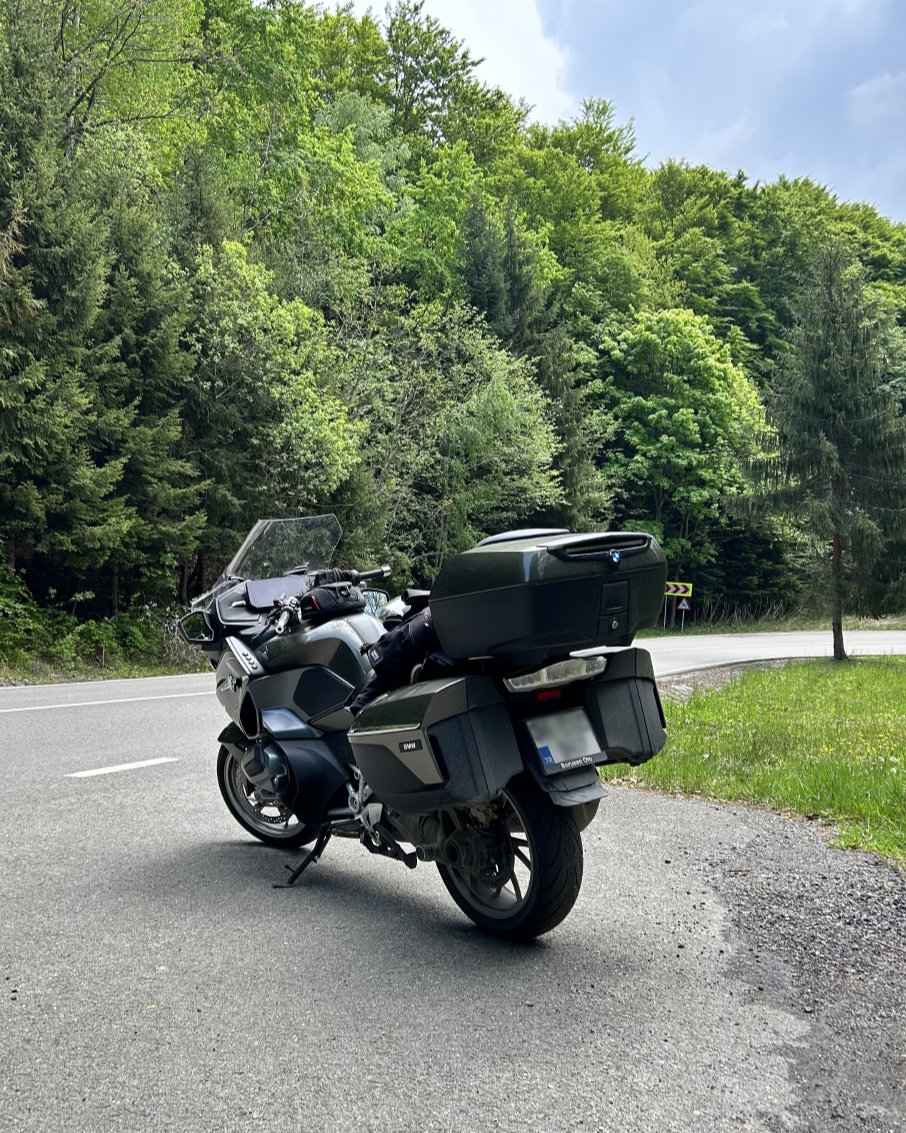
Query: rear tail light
x: 560, y: 673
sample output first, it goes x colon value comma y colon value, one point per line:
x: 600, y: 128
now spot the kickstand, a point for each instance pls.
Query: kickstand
x: 310, y: 858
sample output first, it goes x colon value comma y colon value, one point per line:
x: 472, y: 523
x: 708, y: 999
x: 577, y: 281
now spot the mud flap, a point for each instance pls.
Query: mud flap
x: 572, y: 788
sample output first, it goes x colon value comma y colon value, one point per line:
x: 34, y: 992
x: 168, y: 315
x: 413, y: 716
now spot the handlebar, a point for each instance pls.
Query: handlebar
x: 378, y: 572
x: 287, y: 609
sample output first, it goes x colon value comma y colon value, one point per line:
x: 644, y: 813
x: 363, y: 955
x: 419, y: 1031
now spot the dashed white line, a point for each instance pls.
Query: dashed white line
x: 120, y: 767
x: 118, y: 700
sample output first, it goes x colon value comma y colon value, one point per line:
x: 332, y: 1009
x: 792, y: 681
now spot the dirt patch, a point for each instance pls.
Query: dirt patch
x: 683, y: 685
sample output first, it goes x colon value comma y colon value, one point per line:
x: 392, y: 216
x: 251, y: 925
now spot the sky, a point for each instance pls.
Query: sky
x: 811, y: 88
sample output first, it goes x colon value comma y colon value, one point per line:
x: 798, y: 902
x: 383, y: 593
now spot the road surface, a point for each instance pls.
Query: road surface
x: 722, y: 970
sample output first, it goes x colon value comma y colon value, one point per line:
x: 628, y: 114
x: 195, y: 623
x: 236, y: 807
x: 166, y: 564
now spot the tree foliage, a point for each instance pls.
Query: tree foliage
x: 263, y: 258
x: 841, y: 426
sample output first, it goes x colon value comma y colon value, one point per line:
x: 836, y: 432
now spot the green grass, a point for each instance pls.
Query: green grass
x: 40, y: 673
x: 814, y: 738
x: 783, y: 623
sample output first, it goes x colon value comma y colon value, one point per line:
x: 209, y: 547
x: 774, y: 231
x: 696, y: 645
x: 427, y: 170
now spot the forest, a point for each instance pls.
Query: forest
x: 270, y: 259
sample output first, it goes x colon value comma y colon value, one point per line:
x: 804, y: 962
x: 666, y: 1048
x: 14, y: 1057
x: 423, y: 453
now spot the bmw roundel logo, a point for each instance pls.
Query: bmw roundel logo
x: 615, y: 557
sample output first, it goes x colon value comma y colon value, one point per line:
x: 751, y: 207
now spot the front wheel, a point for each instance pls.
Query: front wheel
x: 269, y: 821
x: 527, y: 883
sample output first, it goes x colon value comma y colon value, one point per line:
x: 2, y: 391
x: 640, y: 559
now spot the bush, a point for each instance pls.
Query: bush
x: 90, y: 645
x: 34, y: 639
x: 24, y: 627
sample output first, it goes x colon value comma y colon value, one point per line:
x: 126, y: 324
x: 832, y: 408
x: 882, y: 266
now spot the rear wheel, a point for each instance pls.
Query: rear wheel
x: 521, y: 871
x: 269, y: 821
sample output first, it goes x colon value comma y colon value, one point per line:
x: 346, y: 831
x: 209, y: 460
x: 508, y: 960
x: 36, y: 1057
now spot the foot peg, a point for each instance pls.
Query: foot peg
x: 388, y: 847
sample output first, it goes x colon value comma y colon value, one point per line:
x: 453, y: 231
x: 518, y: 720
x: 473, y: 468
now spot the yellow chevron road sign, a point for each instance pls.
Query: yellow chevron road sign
x: 678, y: 589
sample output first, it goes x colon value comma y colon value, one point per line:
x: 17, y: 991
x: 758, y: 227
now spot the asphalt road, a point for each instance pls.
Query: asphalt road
x: 722, y: 970
x: 681, y: 654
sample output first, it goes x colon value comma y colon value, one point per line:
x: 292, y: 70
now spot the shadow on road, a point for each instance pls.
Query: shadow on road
x: 377, y: 911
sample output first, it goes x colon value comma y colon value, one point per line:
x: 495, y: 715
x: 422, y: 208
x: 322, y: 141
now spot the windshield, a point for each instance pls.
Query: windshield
x: 274, y: 547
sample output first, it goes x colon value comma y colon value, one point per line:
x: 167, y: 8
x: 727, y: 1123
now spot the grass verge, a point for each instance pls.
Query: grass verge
x: 40, y: 673
x: 814, y: 738
x: 41, y: 644
x: 785, y: 623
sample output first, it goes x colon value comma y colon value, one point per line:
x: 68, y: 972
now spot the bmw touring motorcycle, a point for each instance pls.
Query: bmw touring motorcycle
x: 484, y: 761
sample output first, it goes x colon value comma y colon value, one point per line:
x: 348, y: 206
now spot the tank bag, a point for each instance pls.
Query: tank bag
x: 331, y: 599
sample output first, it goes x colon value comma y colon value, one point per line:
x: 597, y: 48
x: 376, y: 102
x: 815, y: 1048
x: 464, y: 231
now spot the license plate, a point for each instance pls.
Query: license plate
x: 564, y: 739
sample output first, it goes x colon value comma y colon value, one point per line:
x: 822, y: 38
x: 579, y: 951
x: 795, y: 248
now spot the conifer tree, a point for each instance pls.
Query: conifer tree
x: 840, y: 420
x: 53, y: 496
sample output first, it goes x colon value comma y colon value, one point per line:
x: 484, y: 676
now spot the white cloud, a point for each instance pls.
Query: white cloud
x: 761, y: 25
x: 781, y: 32
x: 518, y: 56
x: 722, y: 146
x: 879, y: 100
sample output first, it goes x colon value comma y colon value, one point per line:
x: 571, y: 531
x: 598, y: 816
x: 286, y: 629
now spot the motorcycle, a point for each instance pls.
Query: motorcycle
x: 485, y: 766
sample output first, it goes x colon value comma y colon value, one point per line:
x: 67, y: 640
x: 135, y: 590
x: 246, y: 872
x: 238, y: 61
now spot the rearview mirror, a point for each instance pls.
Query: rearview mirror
x: 194, y: 629
x: 375, y: 601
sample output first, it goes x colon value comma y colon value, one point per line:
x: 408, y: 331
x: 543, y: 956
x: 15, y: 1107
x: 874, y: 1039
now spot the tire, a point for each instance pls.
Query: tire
x: 272, y: 824
x: 545, y: 872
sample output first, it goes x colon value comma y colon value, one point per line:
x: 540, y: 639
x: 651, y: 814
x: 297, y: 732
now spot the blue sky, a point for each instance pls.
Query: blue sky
x: 803, y: 87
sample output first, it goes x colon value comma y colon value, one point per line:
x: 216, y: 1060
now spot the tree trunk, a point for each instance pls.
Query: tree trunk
x: 114, y: 589
x: 184, y: 582
x: 11, y: 551
x: 837, y: 589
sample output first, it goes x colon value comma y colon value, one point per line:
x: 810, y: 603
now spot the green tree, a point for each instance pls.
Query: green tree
x: 427, y: 233
x: 684, y: 415
x: 428, y: 71
x: 55, y: 498
x: 458, y: 437
x: 839, y: 411
x: 266, y: 378
x: 140, y: 392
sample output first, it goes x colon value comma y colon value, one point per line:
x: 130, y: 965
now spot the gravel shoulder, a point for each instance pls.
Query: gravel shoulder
x: 822, y: 933
x: 681, y: 687
x: 815, y: 946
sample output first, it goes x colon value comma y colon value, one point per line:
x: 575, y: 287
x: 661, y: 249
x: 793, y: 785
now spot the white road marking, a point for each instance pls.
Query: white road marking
x: 119, y: 700
x: 120, y: 767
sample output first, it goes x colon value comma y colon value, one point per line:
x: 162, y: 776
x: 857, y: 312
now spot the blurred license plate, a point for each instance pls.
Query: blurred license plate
x: 564, y: 739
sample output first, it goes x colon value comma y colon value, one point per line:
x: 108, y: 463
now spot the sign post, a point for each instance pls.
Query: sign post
x: 675, y: 590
